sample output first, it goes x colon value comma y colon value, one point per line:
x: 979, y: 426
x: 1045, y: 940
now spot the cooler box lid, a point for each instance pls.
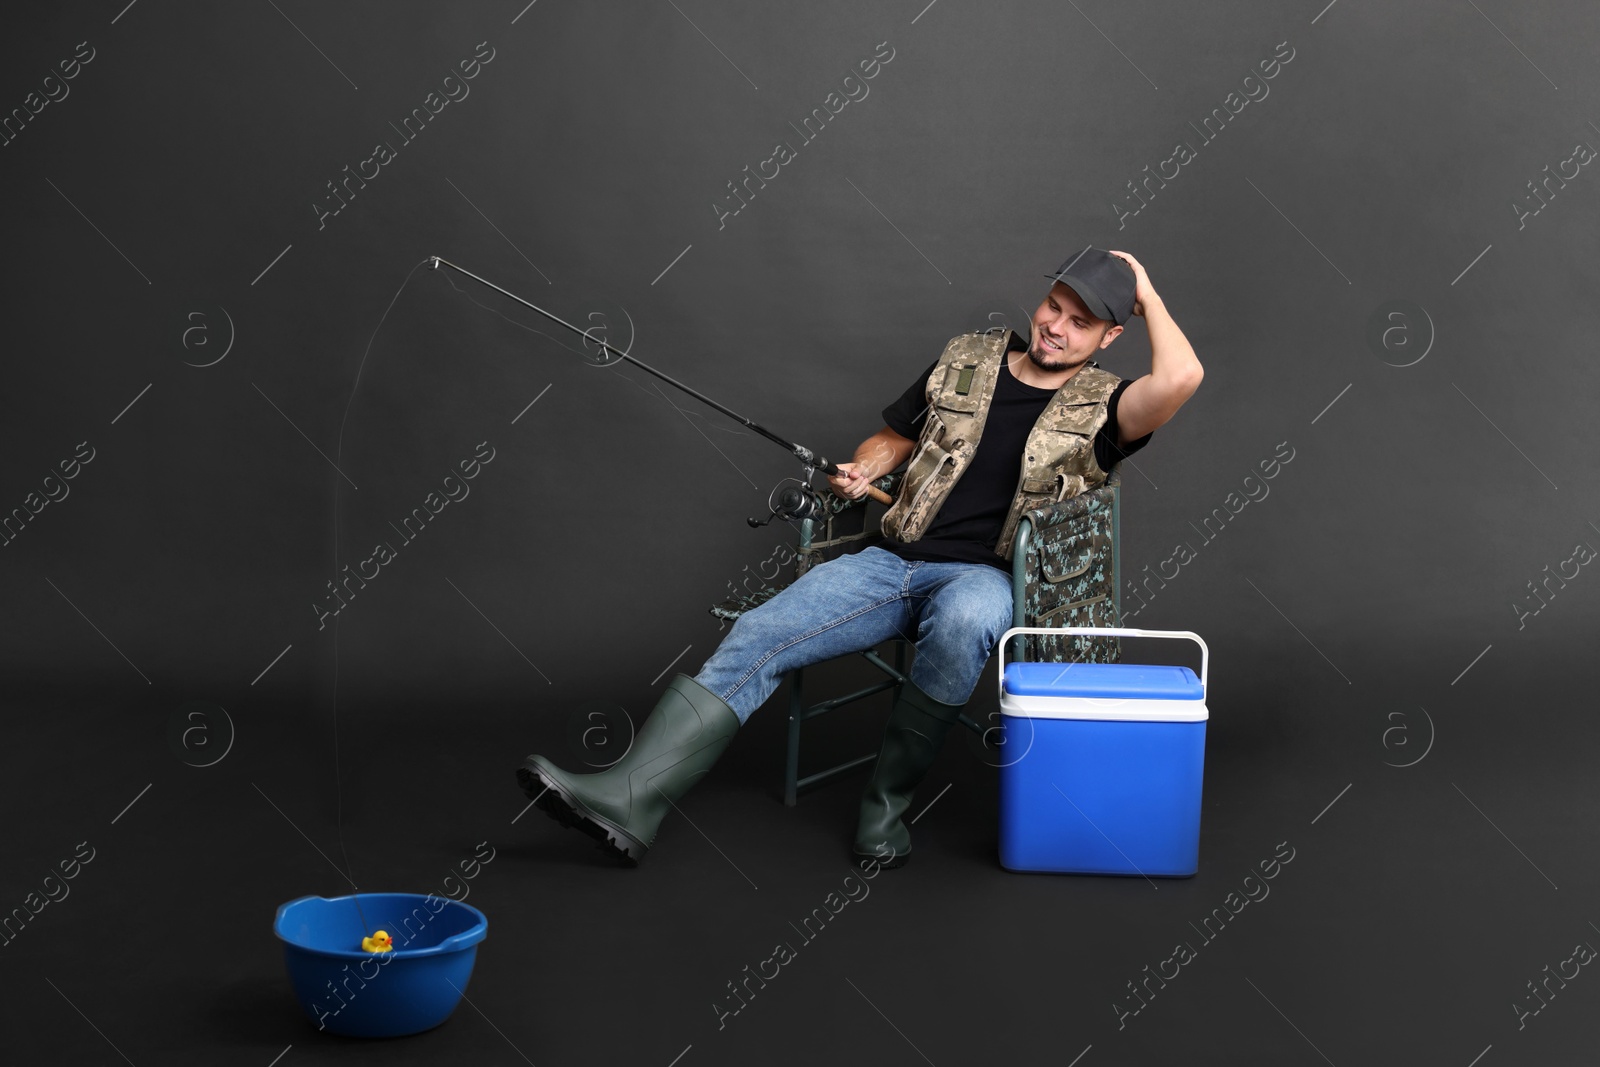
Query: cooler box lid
x: 1125, y: 681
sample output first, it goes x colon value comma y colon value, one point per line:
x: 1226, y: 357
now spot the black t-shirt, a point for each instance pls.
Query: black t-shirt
x: 968, y: 523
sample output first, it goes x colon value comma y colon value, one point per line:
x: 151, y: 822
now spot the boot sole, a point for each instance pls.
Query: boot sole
x: 898, y: 860
x: 550, y: 798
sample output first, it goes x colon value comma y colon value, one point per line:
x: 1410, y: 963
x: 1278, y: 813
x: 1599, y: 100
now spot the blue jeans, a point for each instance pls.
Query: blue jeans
x: 856, y: 602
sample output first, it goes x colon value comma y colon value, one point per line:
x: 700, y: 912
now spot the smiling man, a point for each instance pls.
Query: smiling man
x: 1051, y: 424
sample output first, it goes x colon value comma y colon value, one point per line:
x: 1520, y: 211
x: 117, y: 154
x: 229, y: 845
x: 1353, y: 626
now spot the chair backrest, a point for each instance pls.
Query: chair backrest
x: 1067, y: 571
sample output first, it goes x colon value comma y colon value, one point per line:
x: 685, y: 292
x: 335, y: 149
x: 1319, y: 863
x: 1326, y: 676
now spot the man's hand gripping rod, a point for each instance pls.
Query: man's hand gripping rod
x: 803, y: 454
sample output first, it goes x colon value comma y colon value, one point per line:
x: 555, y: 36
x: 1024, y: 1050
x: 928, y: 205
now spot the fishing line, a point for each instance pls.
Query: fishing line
x: 338, y: 454
x: 795, y: 502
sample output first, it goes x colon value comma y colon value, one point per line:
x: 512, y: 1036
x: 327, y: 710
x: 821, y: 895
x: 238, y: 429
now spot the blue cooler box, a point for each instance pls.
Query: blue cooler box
x: 1101, y: 763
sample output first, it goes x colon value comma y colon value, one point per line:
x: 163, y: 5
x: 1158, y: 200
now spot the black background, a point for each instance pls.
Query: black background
x: 1378, y: 702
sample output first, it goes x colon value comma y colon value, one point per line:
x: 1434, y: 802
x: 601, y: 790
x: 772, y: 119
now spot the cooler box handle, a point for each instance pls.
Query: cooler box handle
x: 1101, y: 631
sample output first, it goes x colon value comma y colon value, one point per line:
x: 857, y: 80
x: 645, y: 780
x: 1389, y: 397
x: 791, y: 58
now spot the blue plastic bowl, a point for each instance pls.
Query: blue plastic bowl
x: 412, y: 988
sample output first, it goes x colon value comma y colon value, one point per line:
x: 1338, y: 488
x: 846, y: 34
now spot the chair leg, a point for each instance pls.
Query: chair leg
x: 791, y: 764
x: 900, y: 667
x: 792, y: 783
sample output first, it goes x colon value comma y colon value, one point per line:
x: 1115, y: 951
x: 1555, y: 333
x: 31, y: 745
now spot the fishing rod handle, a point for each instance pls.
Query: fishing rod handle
x: 873, y: 491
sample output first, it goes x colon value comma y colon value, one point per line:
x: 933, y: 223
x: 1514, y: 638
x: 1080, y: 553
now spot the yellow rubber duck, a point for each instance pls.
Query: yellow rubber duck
x: 378, y: 942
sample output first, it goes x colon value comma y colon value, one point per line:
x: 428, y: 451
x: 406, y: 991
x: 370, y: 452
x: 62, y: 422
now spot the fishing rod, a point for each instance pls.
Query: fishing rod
x: 794, y: 504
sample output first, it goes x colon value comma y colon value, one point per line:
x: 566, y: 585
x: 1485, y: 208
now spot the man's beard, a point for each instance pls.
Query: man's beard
x: 1050, y: 362
x: 1041, y: 358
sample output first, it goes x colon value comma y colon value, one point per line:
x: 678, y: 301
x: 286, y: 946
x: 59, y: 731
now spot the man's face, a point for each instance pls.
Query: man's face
x: 1065, y: 332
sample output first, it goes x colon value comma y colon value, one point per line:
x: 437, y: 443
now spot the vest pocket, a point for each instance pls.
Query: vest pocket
x: 1041, y: 491
x: 928, y: 478
x: 949, y: 399
x: 1075, y: 418
x: 1045, y: 484
x: 939, y: 465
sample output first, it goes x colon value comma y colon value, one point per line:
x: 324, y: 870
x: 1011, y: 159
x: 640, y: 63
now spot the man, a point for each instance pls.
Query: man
x: 1052, y: 423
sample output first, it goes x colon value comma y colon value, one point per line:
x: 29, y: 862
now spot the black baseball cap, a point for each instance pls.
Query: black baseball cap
x: 1104, y: 282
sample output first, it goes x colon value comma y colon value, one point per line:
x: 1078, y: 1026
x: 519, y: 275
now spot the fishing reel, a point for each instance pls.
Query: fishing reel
x: 801, y: 500
x: 792, y: 502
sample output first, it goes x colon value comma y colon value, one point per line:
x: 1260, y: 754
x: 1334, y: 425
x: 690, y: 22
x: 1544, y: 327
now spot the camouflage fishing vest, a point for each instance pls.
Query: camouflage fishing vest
x: 1057, y: 460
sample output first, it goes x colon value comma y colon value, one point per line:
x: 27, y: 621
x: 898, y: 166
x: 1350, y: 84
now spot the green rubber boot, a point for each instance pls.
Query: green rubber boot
x: 621, y: 806
x: 916, y: 729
